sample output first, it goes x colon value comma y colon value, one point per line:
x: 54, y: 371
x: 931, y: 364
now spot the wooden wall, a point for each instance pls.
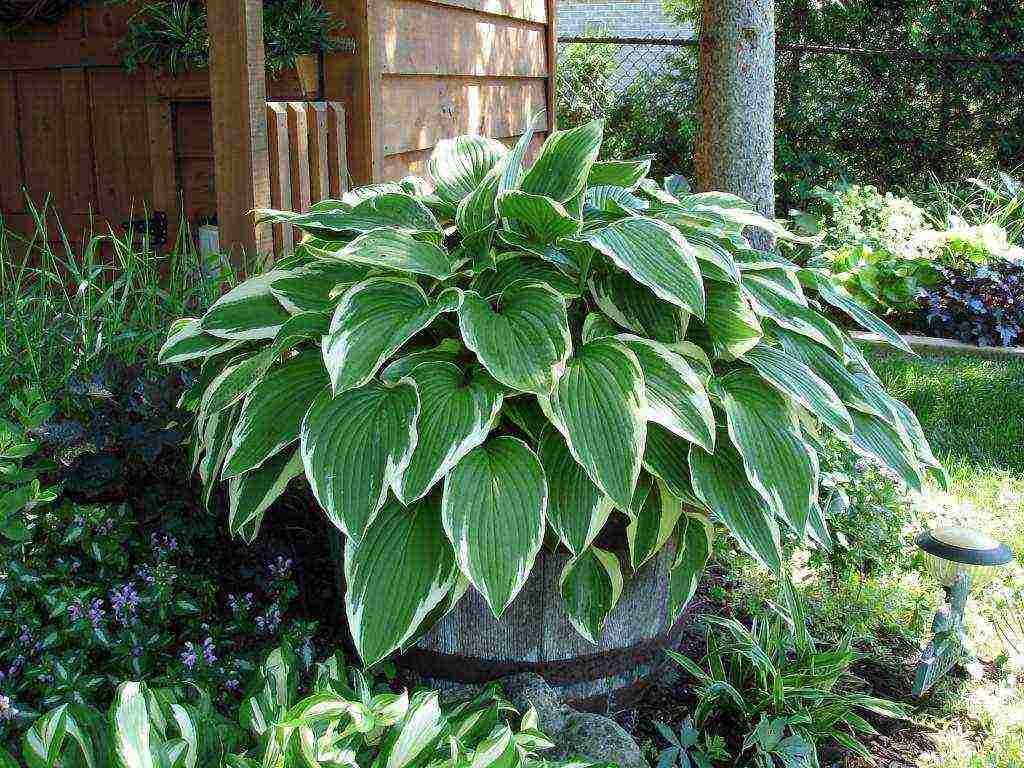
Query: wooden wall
x: 448, y: 67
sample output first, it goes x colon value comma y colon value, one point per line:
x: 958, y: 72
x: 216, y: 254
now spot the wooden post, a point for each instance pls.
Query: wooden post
x: 551, y: 45
x: 238, y: 91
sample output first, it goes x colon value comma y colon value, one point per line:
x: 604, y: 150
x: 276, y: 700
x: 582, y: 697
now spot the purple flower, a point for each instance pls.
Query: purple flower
x: 136, y: 651
x: 96, y: 612
x: 124, y: 600
x: 280, y: 568
x: 208, y: 655
x: 75, y: 610
x: 7, y: 710
x: 240, y: 603
x: 189, y: 656
x: 271, y: 621
x: 163, y: 545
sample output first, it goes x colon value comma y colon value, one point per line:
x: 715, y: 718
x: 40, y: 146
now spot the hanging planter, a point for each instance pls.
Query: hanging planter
x: 17, y: 13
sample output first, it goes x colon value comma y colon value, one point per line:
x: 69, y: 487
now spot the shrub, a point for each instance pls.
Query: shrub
x: 455, y: 372
x: 978, y: 304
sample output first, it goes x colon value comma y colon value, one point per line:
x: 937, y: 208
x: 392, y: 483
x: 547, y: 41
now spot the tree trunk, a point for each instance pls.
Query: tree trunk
x: 736, y: 101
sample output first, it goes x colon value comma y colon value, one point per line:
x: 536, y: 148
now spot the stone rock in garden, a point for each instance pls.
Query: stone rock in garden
x: 575, y: 734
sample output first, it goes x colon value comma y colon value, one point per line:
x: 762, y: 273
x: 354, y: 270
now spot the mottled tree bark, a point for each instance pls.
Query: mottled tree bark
x: 736, y: 101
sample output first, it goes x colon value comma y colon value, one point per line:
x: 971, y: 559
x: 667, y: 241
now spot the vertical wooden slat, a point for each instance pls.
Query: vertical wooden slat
x: 316, y: 116
x: 337, y: 149
x: 552, y: 55
x: 78, y: 142
x: 346, y: 79
x: 376, y: 11
x: 280, y: 173
x: 298, y: 155
x: 238, y: 91
x: 10, y: 150
x: 164, y: 195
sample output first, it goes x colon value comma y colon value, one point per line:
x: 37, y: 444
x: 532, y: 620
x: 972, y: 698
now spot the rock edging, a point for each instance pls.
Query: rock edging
x: 936, y: 347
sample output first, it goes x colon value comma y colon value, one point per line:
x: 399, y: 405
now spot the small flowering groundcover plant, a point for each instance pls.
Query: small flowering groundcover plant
x: 341, y: 721
x: 981, y: 305
x: 521, y: 352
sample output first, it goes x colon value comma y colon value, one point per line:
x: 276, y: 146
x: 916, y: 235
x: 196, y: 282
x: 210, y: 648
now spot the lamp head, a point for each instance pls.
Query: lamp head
x: 952, y: 550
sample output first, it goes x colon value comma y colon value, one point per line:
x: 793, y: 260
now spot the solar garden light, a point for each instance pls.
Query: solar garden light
x: 959, y: 558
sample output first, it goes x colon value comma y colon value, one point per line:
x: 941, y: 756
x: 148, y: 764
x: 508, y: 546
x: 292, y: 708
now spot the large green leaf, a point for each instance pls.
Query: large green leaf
x: 731, y: 325
x: 355, y: 446
x: 782, y: 310
x: 676, y: 398
x: 564, y: 163
x: 251, y: 494
x: 879, y: 440
x: 636, y: 308
x: 716, y: 263
x: 129, y: 723
x: 476, y: 212
x: 456, y: 414
x: 409, y: 742
x: 577, y: 510
x: 841, y: 299
x: 694, y: 539
x: 493, y: 512
x: 656, y: 255
x: 394, y: 249
x: 317, y: 286
x: 793, y: 378
x: 372, y: 322
x: 247, y: 311
x: 543, y: 219
x: 400, y: 570
x: 721, y: 483
x: 652, y: 519
x: 273, y: 411
x: 233, y: 383
x: 186, y: 341
x: 619, y: 173
x: 599, y: 405
x: 667, y: 457
x: 447, y: 351
x: 492, y: 282
x: 591, y: 584
x: 765, y: 431
x: 390, y: 209
x: 524, y: 342
x: 458, y: 165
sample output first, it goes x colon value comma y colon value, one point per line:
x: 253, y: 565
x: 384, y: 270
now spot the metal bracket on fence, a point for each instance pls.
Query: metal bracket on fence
x: 155, y: 227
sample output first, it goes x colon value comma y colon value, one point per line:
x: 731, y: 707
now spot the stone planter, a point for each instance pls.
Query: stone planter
x: 470, y: 647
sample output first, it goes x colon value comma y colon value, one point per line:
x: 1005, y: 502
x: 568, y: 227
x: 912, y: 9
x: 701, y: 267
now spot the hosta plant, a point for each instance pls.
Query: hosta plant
x: 513, y: 355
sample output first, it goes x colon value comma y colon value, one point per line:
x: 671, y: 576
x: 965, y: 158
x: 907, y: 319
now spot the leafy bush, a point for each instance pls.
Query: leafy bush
x: 342, y: 720
x: 978, y: 304
x: 783, y: 694
x: 552, y: 344
x: 22, y: 492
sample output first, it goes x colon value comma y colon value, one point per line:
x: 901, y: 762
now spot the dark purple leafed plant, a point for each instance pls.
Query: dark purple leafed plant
x: 980, y: 305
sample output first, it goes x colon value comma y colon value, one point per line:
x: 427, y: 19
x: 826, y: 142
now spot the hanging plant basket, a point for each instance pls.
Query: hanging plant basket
x: 16, y: 13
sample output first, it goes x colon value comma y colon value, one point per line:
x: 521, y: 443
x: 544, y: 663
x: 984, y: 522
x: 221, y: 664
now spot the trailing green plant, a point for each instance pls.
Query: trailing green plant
x: 688, y: 747
x: 522, y: 351
x: 24, y: 494
x: 342, y: 720
x: 786, y: 695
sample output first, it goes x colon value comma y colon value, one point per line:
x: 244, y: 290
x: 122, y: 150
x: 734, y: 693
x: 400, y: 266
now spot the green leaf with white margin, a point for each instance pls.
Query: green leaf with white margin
x: 738, y: 212
x: 492, y: 282
x: 763, y: 427
x: 187, y: 341
x: 732, y: 326
x: 544, y: 220
x: 577, y: 510
x: 597, y: 326
x: 591, y: 585
x: 248, y: 311
x: 233, y: 383
x: 694, y: 541
x: 373, y: 321
x: 619, y: 173
x: 636, y: 308
x: 720, y: 482
x: 476, y: 212
x: 272, y: 412
x: 493, y: 512
x: 877, y: 439
x: 458, y: 165
x: 676, y: 397
x: 442, y: 609
x: 525, y: 342
x: 929, y: 464
x: 394, y: 576
x: 130, y: 726
x: 716, y: 263
x: 390, y: 209
x: 656, y: 255
x: 793, y: 378
x: 251, y: 494
x: 667, y: 457
x: 397, y: 250
x: 512, y: 172
x: 316, y: 287
x: 355, y: 446
x: 419, y: 731
x: 652, y: 519
x: 843, y: 300
x: 307, y: 326
x: 456, y: 414
x: 446, y: 351
x: 564, y: 162
x: 46, y: 744
x: 789, y: 314
x: 599, y: 404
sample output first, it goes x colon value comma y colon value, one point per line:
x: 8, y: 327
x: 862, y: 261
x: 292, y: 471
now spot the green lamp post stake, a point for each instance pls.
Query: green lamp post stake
x: 959, y: 559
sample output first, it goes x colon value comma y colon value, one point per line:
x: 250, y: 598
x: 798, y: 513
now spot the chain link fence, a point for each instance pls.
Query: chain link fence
x: 889, y: 118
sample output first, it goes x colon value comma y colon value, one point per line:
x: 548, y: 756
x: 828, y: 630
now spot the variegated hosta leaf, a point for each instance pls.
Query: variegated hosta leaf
x: 930, y: 465
x: 493, y: 511
x: 422, y: 727
x: 877, y: 439
x: 307, y: 326
x: 599, y: 405
x: 619, y: 173
x: 512, y: 172
x: 731, y: 325
x: 390, y: 209
x: 652, y: 518
x: 720, y: 482
x: 543, y: 219
x: 458, y: 165
x: 694, y: 540
x: 591, y: 584
x: 186, y: 341
x: 317, y: 286
x: 841, y: 299
x: 765, y: 431
x: 577, y: 510
x: 716, y: 263
x: 524, y: 341
x: 667, y: 457
x: 636, y: 308
x: 448, y: 351
x: 656, y: 255
x: 564, y: 163
x: 251, y: 494
x: 793, y: 378
x: 394, y: 576
x: 603, y: 205
x: 492, y: 282
x: 676, y: 397
x: 247, y: 311
x: 58, y: 739
x: 397, y: 250
x: 355, y: 446
x: 773, y: 304
x: 456, y: 414
x: 373, y: 321
x: 476, y: 212
x: 597, y: 326
x: 130, y: 726
x: 272, y: 412
x: 442, y: 609
x: 233, y: 383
